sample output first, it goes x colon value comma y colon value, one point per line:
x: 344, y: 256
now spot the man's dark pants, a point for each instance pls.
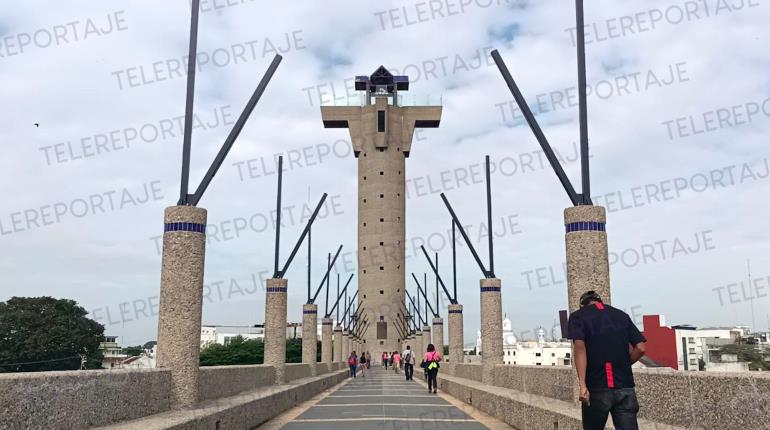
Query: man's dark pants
x: 620, y: 402
x: 408, y: 371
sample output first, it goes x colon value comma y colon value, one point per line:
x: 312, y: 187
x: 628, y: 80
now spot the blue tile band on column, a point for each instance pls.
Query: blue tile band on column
x: 277, y: 289
x: 310, y: 312
x: 490, y: 289
x: 585, y: 226
x: 326, y: 323
x: 184, y: 226
x: 438, y: 323
x: 455, y: 311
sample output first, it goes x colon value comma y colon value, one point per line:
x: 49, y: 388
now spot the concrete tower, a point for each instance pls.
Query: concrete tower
x: 381, y: 132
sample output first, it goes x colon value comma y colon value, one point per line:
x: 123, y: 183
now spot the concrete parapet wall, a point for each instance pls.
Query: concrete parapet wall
x: 81, y: 399
x: 467, y: 371
x: 709, y: 400
x: 667, y: 398
x: 224, y: 381
x: 244, y: 411
x: 552, y: 382
x: 298, y: 371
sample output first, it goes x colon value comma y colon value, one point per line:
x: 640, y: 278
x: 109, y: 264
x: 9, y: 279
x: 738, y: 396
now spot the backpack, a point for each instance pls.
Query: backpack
x: 408, y: 357
x: 352, y: 360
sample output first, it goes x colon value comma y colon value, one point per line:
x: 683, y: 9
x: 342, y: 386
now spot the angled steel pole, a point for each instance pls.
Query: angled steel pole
x: 338, y: 298
x: 340, y: 295
x: 583, y: 105
x: 189, y: 103
x: 465, y: 236
x: 301, y: 238
x: 452, y: 300
x: 278, y: 213
x: 417, y: 308
x: 236, y: 130
x: 489, y: 220
x: 535, y: 127
x: 325, y: 280
x: 425, y: 294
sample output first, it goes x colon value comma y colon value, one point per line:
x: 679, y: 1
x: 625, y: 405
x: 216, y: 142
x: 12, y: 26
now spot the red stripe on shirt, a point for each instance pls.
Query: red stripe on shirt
x: 600, y: 306
x: 610, y: 376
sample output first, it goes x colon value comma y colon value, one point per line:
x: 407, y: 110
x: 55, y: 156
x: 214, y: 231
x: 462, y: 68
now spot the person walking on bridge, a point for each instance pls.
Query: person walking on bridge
x: 408, y: 359
x: 430, y: 363
x: 396, y: 357
x: 353, y: 363
x: 363, y: 362
x: 606, y: 343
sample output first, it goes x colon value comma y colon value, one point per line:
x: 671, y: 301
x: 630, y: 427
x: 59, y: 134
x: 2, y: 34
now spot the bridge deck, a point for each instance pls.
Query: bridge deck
x: 383, y: 400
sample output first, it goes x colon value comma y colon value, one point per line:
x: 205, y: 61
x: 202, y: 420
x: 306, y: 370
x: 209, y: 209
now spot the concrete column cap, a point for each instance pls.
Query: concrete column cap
x: 585, y: 213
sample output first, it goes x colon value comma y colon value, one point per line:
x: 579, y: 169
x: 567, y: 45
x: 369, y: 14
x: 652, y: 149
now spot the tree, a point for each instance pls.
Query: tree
x: 133, y: 351
x: 150, y: 344
x: 237, y: 351
x: 749, y: 354
x: 249, y: 351
x: 44, y: 333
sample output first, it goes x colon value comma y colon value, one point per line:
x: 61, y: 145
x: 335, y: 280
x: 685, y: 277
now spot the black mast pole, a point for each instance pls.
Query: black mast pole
x: 308, y: 264
x: 328, y: 266
x: 278, y: 213
x: 436, y: 283
x: 454, y: 260
x: 189, y: 103
x: 583, y: 105
x: 489, y: 218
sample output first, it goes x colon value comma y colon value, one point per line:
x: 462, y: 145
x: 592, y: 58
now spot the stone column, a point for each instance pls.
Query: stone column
x: 345, y: 345
x: 418, y: 346
x: 338, y: 344
x: 426, y: 337
x: 326, y: 340
x: 181, y: 300
x: 275, y: 326
x: 438, y: 335
x: 588, y: 265
x: 456, y: 342
x: 310, y: 335
x: 491, y: 328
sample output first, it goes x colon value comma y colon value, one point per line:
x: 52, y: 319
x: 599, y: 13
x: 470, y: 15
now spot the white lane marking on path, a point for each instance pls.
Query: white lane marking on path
x: 366, y: 418
x: 330, y: 405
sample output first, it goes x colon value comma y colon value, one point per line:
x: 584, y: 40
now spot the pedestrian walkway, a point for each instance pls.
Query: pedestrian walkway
x: 383, y: 400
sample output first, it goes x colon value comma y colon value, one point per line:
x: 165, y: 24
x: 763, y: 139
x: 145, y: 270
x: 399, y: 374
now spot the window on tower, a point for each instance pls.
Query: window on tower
x: 380, y: 121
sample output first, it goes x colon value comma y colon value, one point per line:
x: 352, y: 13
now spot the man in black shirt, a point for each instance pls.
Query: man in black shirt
x: 606, y: 343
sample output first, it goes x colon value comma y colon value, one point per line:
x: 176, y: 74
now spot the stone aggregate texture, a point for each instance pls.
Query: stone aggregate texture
x: 345, y: 345
x: 383, y: 400
x: 327, y: 355
x: 338, y: 345
x: 438, y: 335
x: 588, y: 266
x: 309, y: 336
x: 426, y: 337
x: 491, y: 327
x: 418, y: 346
x: 381, y: 157
x: 455, y: 317
x: 275, y: 326
x: 181, y: 301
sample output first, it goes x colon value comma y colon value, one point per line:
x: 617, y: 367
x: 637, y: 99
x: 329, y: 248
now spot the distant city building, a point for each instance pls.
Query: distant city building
x: 685, y: 347
x: 531, y: 353
x: 112, y: 352
x: 223, y: 334
x: 144, y: 361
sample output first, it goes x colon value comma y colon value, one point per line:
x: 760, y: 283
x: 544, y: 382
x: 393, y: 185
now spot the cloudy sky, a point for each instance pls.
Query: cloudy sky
x: 91, y: 137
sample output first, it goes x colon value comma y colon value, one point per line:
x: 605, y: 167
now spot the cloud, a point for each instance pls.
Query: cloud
x: 105, y: 259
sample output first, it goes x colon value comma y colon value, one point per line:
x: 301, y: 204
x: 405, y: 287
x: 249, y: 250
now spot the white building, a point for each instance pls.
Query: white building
x: 531, y: 353
x: 222, y: 334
